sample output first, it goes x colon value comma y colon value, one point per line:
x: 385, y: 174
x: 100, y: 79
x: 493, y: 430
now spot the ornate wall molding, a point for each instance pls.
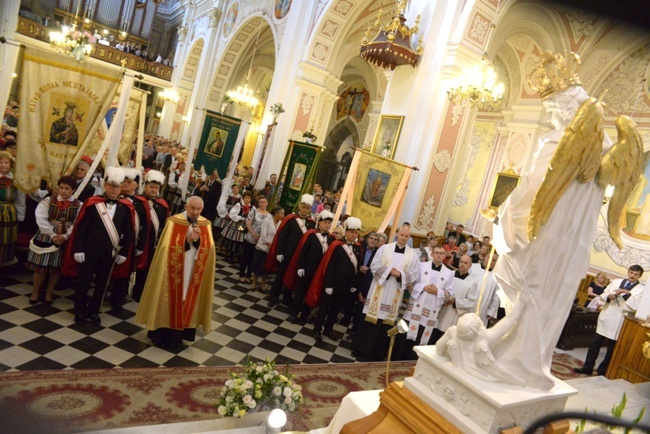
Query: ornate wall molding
x: 634, y: 251
x: 442, y: 161
x: 457, y: 111
x: 427, y: 215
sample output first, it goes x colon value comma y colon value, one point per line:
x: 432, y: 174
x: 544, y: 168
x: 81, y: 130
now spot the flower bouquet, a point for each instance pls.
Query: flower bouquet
x: 277, y: 110
x: 73, y: 42
x: 309, y: 135
x: 260, y: 387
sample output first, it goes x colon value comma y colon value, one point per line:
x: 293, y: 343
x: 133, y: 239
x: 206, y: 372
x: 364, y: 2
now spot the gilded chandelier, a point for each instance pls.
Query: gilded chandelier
x: 244, y: 96
x: 478, y: 86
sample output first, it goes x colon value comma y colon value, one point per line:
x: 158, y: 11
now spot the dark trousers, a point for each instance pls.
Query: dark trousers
x: 594, y: 349
x: 357, y: 318
x: 138, y: 286
x: 298, y: 301
x: 246, y: 260
x: 403, y: 349
x: 278, y: 286
x: 120, y: 291
x: 371, y: 340
x: 259, y: 258
x: 101, y: 269
x: 328, y: 310
x: 350, y: 302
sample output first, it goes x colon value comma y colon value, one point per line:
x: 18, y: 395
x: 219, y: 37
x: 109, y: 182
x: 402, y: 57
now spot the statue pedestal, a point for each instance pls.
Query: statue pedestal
x: 476, y: 406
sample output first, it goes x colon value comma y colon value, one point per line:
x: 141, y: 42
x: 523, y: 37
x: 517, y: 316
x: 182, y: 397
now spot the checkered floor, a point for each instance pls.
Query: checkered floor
x: 46, y: 337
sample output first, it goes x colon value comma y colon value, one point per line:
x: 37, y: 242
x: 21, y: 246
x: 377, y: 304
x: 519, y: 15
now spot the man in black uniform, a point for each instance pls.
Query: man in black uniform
x: 286, y: 240
x: 308, y: 259
x: 129, y: 188
x: 102, y: 235
x: 158, y: 213
x: 210, y: 192
x: 340, y: 279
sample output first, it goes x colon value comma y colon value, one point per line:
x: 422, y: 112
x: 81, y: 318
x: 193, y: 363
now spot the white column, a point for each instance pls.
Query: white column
x: 9, y: 50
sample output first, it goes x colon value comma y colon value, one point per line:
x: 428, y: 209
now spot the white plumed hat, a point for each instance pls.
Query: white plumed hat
x: 154, y: 176
x: 325, y: 215
x: 307, y: 199
x: 352, y: 223
x: 132, y: 174
x: 114, y: 175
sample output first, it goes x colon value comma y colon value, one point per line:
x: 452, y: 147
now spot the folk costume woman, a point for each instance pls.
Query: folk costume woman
x: 12, y: 210
x: 224, y: 217
x: 232, y: 239
x: 55, y: 218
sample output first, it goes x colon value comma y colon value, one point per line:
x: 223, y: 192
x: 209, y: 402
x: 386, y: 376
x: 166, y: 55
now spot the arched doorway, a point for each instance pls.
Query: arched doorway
x: 337, y: 157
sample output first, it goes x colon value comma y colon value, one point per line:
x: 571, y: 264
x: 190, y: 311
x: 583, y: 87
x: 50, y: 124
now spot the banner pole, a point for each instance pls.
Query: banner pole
x: 141, y: 121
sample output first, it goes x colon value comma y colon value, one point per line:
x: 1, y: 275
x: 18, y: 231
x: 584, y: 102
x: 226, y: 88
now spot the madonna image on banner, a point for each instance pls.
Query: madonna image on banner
x: 282, y: 8
x: 374, y: 188
x: 505, y: 183
x: 216, y: 142
x: 298, y: 176
x: 66, y: 119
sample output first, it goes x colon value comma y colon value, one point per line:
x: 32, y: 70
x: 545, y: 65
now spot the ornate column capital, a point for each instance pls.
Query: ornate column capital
x: 214, y: 17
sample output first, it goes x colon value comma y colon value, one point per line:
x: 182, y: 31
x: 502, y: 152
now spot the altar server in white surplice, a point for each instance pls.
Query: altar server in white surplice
x: 490, y: 301
x: 394, y: 269
x: 465, y: 299
x: 435, y: 287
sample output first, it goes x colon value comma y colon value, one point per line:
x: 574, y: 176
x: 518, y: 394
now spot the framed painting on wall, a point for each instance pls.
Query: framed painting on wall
x: 387, y: 135
x: 505, y: 183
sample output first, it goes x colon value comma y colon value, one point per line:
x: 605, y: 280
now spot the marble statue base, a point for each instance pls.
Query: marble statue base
x: 477, y: 406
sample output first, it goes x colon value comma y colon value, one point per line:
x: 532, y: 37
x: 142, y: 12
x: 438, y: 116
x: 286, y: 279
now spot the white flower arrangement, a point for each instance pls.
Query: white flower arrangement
x: 260, y: 387
x: 73, y: 42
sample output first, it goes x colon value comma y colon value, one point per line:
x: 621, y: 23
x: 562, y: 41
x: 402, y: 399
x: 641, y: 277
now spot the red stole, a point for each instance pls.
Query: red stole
x: 290, y: 277
x: 318, y: 281
x: 180, y: 312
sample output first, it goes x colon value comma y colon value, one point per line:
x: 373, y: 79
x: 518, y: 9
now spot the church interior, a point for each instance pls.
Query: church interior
x: 457, y: 105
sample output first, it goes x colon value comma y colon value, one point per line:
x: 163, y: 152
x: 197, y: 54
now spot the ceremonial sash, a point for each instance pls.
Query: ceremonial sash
x: 323, y: 242
x: 301, y: 224
x: 108, y: 224
x: 155, y: 221
x: 353, y: 258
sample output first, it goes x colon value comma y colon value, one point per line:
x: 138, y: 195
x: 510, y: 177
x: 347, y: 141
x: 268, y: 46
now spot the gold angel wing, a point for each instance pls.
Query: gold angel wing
x: 621, y: 167
x: 577, y: 157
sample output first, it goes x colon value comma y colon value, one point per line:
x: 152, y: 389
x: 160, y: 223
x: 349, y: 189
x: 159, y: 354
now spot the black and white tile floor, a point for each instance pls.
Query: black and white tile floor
x: 46, y: 337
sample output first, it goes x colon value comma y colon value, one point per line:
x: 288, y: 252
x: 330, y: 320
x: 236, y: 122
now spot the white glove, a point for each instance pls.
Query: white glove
x: 329, y: 291
x: 301, y: 273
x: 80, y: 257
x: 138, y: 252
x: 120, y: 259
x: 353, y: 289
x: 280, y: 258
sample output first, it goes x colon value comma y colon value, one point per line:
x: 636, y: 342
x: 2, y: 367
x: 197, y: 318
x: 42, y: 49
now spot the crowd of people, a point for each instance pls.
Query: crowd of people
x: 126, y: 222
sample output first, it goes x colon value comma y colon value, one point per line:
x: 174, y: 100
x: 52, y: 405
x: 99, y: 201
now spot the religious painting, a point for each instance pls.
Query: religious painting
x: 231, y: 17
x: 67, y: 119
x: 374, y: 188
x: 635, y: 221
x: 353, y: 102
x: 282, y: 8
x: 387, y: 135
x: 216, y: 142
x: 505, y: 183
x: 298, y: 176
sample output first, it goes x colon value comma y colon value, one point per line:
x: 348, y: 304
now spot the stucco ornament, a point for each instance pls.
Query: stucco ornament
x: 426, y: 217
x: 442, y: 161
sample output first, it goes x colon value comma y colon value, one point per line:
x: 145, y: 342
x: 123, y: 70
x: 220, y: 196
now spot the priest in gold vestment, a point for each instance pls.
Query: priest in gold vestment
x: 177, y: 296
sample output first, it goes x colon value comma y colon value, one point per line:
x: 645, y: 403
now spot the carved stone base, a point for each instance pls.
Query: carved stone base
x: 478, y: 406
x: 400, y: 411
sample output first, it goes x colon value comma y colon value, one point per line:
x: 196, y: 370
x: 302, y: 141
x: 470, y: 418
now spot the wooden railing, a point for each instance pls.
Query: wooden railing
x: 112, y: 55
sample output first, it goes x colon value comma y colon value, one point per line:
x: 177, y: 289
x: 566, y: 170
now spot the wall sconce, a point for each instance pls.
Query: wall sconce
x: 169, y: 95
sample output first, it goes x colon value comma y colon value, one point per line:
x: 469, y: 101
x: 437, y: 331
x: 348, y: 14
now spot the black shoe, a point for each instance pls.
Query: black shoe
x: 272, y: 303
x: 94, y: 319
x: 583, y: 371
x: 293, y: 320
x: 318, y: 337
x: 118, y: 309
x: 330, y: 335
x: 79, y: 319
x: 345, y: 321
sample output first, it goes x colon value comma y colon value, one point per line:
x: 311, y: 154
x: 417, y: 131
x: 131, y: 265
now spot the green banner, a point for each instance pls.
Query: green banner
x: 217, y: 143
x: 298, y: 180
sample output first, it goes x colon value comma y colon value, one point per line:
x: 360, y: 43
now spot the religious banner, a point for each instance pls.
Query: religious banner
x: 62, y: 102
x: 297, y: 173
x: 217, y: 142
x: 374, y: 190
x: 129, y: 130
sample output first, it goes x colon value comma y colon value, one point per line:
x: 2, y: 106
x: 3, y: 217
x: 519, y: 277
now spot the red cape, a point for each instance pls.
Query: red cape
x: 318, y: 281
x: 290, y: 277
x: 271, y: 264
x: 69, y: 266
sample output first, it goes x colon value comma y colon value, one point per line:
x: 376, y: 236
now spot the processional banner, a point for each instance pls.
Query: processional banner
x: 217, y: 143
x: 129, y: 130
x: 374, y: 189
x: 62, y: 102
x: 297, y: 175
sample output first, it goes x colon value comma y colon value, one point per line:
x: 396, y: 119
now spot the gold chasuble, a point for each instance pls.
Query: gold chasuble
x: 162, y: 303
